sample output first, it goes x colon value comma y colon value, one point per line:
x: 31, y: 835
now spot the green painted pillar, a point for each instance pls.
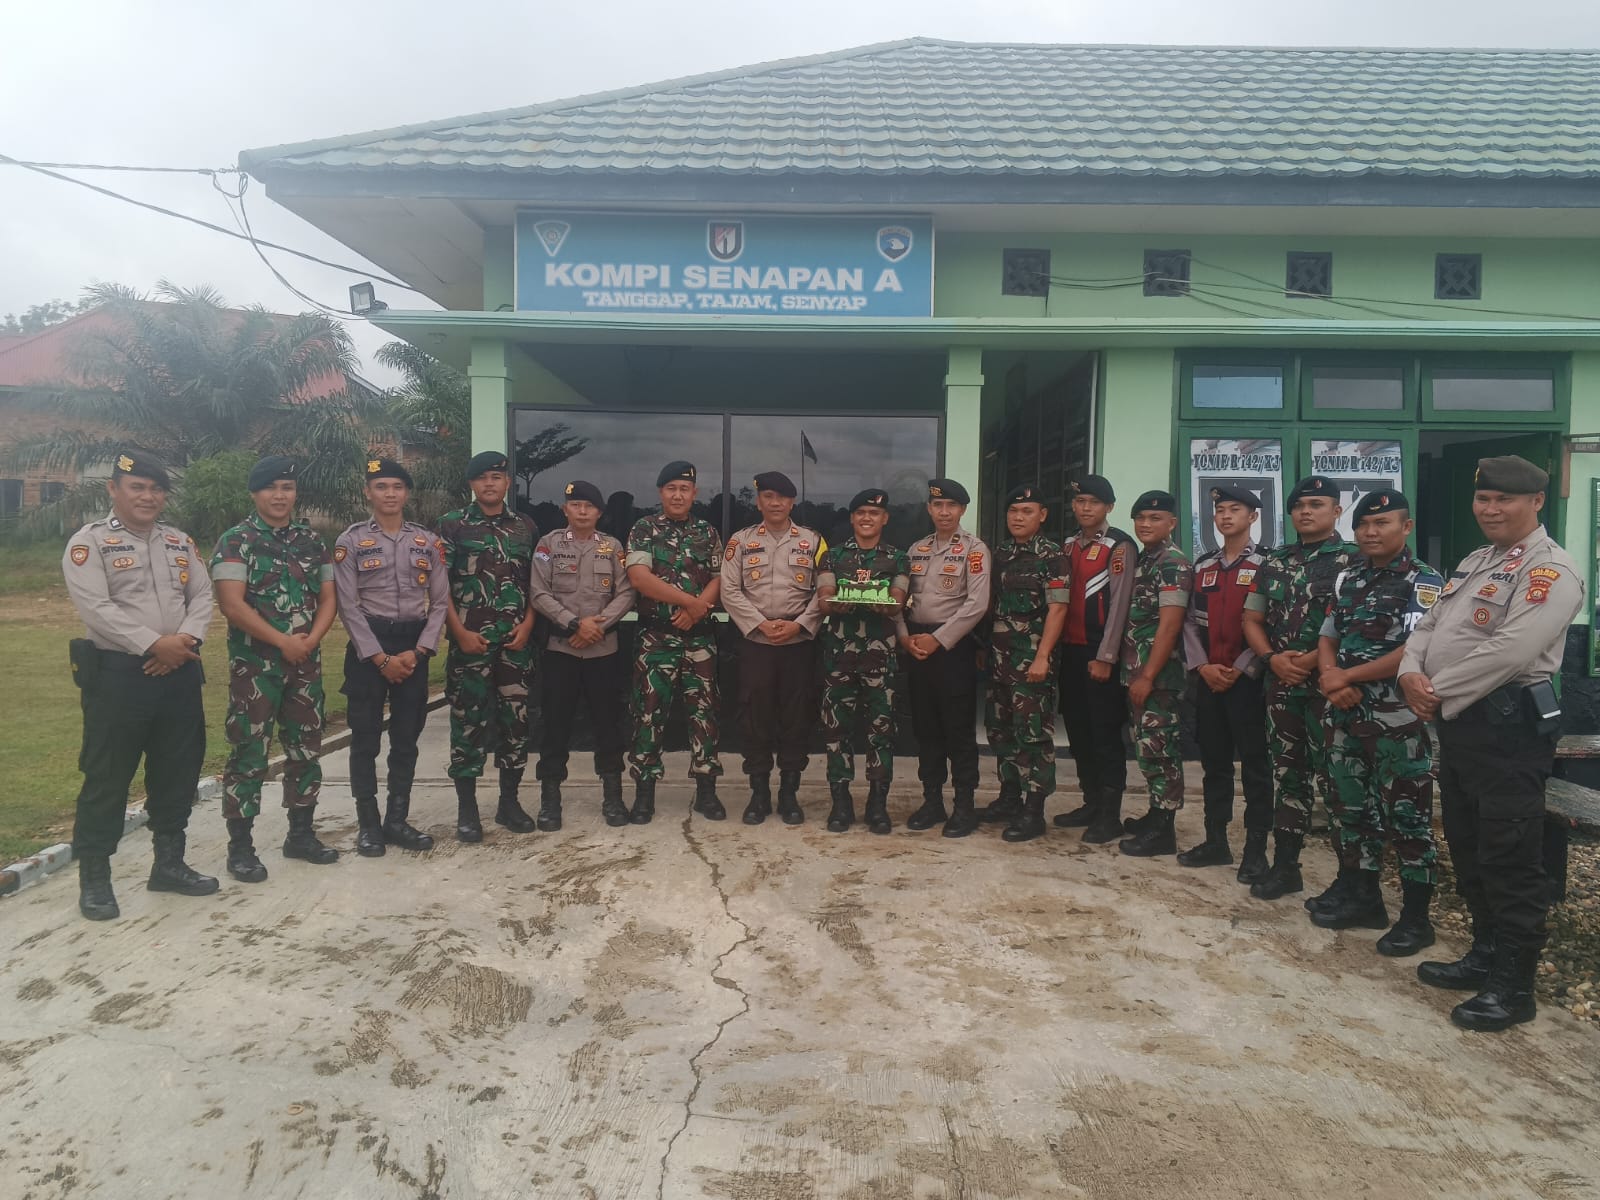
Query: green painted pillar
x: 499, y: 268
x: 490, y: 375
x: 963, y: 424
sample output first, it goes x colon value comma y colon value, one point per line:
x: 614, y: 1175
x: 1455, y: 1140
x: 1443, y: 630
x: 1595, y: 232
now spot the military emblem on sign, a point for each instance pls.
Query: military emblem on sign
x: 725, y: 239
x: 551, y: 235
x: 894, y: 242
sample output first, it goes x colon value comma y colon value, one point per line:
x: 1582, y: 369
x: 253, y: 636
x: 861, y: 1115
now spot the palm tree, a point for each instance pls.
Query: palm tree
x: 432, y: 411
x: 185, y: 377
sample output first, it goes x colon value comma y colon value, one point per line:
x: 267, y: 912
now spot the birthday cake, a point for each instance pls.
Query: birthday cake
x: 874, y: 591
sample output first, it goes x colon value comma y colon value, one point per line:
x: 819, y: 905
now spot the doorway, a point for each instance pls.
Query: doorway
x: 1447, y: 460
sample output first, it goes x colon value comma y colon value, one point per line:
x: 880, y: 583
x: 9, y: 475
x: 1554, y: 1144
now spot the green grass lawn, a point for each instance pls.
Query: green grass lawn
x: 43, y: 725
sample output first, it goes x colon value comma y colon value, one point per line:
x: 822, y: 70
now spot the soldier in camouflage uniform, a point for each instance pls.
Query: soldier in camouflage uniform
x: 488, y: 550
x: 858, y: 658
x: 1162, y: 583
x: 1030, y: 611
x: 674, y: 564
x: 274, y: 583
x: 1283, y: 616
x: 1380, y: 758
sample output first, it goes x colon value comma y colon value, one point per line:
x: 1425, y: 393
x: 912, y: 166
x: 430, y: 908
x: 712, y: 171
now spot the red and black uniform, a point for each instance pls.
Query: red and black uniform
x: 1233, y: 723
x: 1095, y: 713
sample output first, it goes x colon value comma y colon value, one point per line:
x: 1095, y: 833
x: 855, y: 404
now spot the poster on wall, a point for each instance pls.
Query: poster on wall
x: 1359, y: 467
x: 1255, y: 463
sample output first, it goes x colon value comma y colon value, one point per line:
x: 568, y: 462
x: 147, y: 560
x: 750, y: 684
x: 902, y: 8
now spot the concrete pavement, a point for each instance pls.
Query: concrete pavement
x: 706, y: 1010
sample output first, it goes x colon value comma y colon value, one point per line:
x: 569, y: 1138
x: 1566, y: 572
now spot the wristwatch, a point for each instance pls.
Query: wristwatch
x: 572, y: 626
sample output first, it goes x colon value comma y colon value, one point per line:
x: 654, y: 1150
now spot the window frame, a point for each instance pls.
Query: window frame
x: 1409, y: 383
x: 1286, y: 361
x: 1556, y: 417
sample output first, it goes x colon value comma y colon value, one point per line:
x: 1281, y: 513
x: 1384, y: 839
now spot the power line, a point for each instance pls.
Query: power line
x: 75, y: 166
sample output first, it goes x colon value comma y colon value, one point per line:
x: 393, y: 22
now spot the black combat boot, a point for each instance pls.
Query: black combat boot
x: 760, y: 806
x: 1336, y: 891
x: 302, y: 842
x: 1214, y: 851
x: 369, y: 835
x: 1284, y: 875
x: 1028, y: 823
x: 510, y: 812
x: 877, y: 814
x: 843, y: 813
x: 1107, y: 823
x: 1507, y: 998
x: 469, y: 825
x: 931, y: 811
x: 789, y: 798
x: 1469, y: 972
x: 1413, y: 931
x: 1253, y: 866
x: 397, y: 831
x: 1078, y: 818
x: 243, y: 864
x: 963, y: 814
x: 706, y: 802
x: 1134, y: 825
x: 169, y: 873
x: 612, y: 809
x: 644, y: 801
x: 95, y: 897
x: 1007, y: 806
x: 1157, y: 836
x: 1361, y: 908
x: 550, y: 803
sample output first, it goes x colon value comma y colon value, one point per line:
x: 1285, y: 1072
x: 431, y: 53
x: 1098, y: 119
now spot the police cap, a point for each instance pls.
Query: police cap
x: 776, y: 481
x: 1381, y: 501
x: 675, y: 471
x: 386, y: 468
x: 1156, y: 500
x: 1313, y: 485
x: 488, y: 460
x: 870, y: 498
x: 948, y: 489
x: 582, y: 489
x: 1097, y: 486
x: 1512, y: 474
x: 1024, y: 493
x: 145, y: 466
x: 1238, y: 493
x: 271, y: 469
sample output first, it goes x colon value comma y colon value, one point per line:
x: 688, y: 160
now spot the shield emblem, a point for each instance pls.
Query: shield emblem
x: 725, y: 239
x: 894, y: 242
x: 551, y: 235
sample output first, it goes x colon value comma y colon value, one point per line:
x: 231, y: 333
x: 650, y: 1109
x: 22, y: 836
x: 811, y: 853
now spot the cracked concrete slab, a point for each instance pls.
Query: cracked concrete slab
x: 693, y: 1009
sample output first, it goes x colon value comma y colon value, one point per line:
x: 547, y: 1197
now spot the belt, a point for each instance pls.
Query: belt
x: 920, y: 627
x: 1503, y: 706
x: 385, y: 625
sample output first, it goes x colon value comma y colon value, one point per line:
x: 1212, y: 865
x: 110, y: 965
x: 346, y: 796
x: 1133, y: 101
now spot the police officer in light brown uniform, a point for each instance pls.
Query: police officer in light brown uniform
x: 581, y: 587
x: 950, y: 573
x: 769, y: 588
x: 1480, y: 663
x: 141, y: 589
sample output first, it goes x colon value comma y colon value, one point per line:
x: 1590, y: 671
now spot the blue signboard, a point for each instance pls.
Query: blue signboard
x: 778, y: 266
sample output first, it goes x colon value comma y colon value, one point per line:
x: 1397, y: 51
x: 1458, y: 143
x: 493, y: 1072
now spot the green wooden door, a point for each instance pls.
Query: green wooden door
x: 1461, y: 533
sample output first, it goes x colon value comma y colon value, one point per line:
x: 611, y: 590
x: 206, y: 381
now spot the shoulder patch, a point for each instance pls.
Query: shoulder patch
x: 1426, y: 594
x: 1117, y: 563
x: 1544, y: 574
x: 340, y: 553
x: 80, y: 555
x: 975, y: 564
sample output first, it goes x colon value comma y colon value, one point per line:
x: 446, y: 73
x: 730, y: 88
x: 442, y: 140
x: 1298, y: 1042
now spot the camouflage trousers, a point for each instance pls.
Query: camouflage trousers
x: 852, y: 685
x: 1020, y: 719
x: 1158, y: 745
x: 263, y: 696
x: 1294, y: 726
x: 488, y: 708
x: 1380, y: 787
x: 667, y: 663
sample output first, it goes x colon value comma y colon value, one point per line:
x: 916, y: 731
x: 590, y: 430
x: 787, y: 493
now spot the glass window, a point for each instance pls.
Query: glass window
x: 10, y: 497
x: 1358, y: 388
x: 1237, y: 387
x: 620, y: 453
x: 1499, y: 390
x: 50, y: 491
x: 830, y: 459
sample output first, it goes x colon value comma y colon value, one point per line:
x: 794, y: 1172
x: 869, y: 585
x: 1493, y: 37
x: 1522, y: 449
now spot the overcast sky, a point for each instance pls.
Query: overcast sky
x: 192, y: 82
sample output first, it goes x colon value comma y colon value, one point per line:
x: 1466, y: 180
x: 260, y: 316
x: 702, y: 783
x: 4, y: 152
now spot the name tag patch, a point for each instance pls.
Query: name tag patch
x: 1209, y: 580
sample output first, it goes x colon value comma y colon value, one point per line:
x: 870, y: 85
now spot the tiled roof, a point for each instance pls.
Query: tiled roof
x: 933, y: 107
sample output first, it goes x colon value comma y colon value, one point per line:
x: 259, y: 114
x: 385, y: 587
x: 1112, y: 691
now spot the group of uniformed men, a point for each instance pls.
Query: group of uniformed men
x: 1319, y: 662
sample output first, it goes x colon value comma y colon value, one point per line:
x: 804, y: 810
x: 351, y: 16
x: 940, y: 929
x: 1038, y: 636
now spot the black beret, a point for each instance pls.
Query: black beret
x: 1097, y: 486
x: 1238, y: 493
x: 137, y: 462
x: 1024, y: 493
x: 1157, y: 500
x: 870, y: 498
x: 386, y: 468
x: 1512, y: 474
x: 948, y: 489
x: 776, y: 481
x: 1381, y: 501
x: 488, y: 460
x: 271, y: 469
x: 674, y: 471
x: 582, y: 489
x: 1313, y: 485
